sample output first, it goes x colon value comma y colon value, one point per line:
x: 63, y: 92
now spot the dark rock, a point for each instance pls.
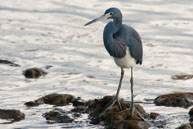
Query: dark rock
x: 186, y: 126
x: 132, y: 124
x: 11, y: 114
x: 58, y: 99
x: 184, y: 100
x: 8, y: 63
x: 154, y: 115
x: 78, y: 102
x: 58, y: 116
x: 34, y: 73
x: 32, y: 103
x: 76, y: 114
x: 80, y: 109
x: 113, y: 117
x: 53, y: 99
x: 191, y: 114
x: 182, y: 77
x: 89, y: 102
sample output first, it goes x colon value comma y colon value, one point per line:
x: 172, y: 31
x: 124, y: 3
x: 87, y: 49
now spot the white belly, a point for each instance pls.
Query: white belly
x: 125, y: 62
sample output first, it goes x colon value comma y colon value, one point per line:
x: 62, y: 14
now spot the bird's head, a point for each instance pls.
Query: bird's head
x: 111, y: 13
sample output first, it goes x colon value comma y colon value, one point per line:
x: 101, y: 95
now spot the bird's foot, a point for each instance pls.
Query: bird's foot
x: 111, y: 104
x: 135, y: 114
x: 118, y: 103
x: 133, y: 111
x: 116, y: 99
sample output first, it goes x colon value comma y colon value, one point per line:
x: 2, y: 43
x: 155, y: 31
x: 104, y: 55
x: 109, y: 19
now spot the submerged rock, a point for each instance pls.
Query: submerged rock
x: 154, y: 115
x: 33, y: 103
x: 132, y: 124
x: 8, y: 63
x: 11, y: 114
x: 182, y: 77
x: 55, y: 99
x: 78, y: 102
x: 113, y: 117
x: 184, y: 100
x: 186, y: 126
x: 79, y: 109
x: 34, y: 73
x: 58, y: 116
x: 191, y: 114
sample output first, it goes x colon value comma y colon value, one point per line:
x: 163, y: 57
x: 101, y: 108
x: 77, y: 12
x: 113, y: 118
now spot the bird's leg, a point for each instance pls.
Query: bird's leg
x: 118, y: 90
x: 132, y: 102
x: 116, y: 99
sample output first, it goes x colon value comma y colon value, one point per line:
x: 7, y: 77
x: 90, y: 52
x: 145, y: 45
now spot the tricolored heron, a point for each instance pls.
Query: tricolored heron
x: 124, y: 44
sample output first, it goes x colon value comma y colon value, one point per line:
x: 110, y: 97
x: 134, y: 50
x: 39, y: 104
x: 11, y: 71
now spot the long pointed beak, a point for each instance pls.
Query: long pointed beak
x: 101, y: 18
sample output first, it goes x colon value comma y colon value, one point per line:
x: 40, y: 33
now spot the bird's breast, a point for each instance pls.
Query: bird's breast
x: 125, y: 62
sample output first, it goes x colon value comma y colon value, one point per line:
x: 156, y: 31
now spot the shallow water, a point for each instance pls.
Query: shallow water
x: 51, y: 33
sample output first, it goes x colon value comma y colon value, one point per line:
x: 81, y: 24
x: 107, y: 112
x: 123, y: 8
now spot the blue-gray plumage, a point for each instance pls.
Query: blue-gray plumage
x: 124, y: 44
x: 118, y: 36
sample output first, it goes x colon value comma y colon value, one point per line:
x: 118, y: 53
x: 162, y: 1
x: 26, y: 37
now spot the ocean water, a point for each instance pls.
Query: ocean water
x: 48, y: 33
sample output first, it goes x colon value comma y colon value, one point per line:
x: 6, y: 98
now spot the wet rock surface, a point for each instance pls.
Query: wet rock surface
x: 184, y: 100
x: 113, y: 117
x: 11, y: 114
x: 34, y: 73
x: 186, y: 126
x: 153, y: 115
x: 58, y: 116
x: 182, y: 77
x: 79, y: 109
x: 57, y: 100
x: 191, y: 114
x: 132, y: 124
x: 8, y: 63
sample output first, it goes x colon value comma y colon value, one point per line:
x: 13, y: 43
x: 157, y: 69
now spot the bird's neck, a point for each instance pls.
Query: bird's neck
x: 117, y: 24
x: 113, y: 27
x: 110, y: 29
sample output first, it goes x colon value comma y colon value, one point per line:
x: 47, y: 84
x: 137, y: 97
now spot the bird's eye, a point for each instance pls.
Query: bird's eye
x: 111, y: 13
